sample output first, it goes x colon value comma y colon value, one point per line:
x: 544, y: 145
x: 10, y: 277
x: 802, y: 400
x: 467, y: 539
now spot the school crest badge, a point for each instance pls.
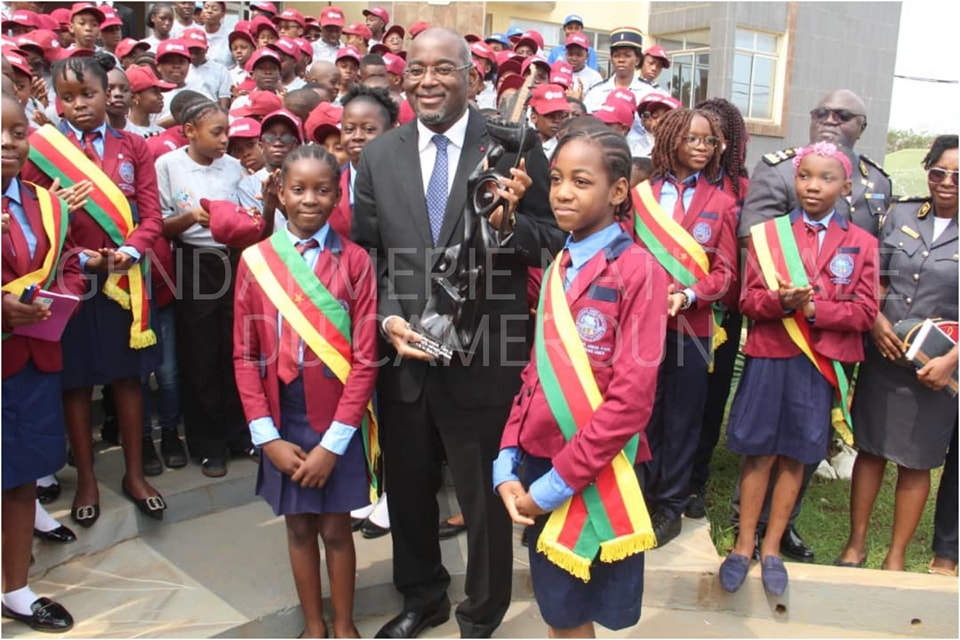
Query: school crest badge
x: 127, y: 174
x: 591, y: 325
x: 702, y: 232
x: 841, y: 266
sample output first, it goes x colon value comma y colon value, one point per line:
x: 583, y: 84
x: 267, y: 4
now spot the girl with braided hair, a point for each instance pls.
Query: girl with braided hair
x: 690, y: 227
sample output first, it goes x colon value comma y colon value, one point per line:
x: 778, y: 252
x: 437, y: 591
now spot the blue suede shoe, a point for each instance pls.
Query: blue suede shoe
x: 773, y: 575
x: 733, y: 571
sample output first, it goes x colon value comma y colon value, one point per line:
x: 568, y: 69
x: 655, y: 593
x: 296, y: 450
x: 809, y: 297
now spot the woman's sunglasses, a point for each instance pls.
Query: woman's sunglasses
x: 936, y: 176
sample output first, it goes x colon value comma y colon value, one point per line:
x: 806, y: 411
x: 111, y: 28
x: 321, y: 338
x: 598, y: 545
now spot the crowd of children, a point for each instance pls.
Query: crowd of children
x: 195, y: 189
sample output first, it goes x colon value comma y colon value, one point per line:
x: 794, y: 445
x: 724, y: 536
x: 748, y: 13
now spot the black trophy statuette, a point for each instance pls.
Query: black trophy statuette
x: 452, y: 316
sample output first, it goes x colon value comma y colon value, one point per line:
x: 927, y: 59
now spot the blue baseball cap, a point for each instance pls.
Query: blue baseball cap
x: 514, y: 31
x: 572, y: 18
x: 498, y: 37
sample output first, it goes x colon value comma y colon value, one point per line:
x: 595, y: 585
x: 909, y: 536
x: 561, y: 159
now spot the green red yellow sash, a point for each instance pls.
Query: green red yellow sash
x: 57, y: 157
x: 610, y: 515
x: 778, y: 252
x: 55, y: 218
x: 675, y: 249
x: 317, y: 317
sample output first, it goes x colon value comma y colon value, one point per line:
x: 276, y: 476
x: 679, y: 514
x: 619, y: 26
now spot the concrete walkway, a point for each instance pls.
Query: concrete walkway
x: 217, y: 566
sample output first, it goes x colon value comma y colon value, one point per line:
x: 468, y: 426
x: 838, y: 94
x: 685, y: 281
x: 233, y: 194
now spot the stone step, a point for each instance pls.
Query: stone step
x: 226, y: 574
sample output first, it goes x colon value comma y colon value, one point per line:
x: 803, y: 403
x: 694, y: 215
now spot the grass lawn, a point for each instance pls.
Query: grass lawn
x: 909, y: 178
x: 824, y: 521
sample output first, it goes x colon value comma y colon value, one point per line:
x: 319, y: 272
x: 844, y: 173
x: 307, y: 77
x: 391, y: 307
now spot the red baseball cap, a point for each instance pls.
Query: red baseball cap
x: 80, y: 7
x: 394, y: 28
x: 482, y: 50
x: 47, y: 22
x: 172, y: 47
x: 418, y: 27
x: 622, y: 95
x: 259, y: 55
x: 305, y: 47
x: 285, y: 116
x: 531, y: 60
x: 379, y: 12
x: 269, y: 7
x: 143, y: 78
x: 395, y: 64
x: 358, y: 29
x: 654, y: 99
x: 244, y: 128
x: 18, y: 62
x: 508, y: 63
x: 240, y: 34
x: 292, y: 15
x: 110, y: 18
x: 561, y: 73
x: 332, y: 16
x: 20, y: 18
x: 45, y: 41
x: 348, y: 52
x: 128, y: 46
x: 578, y: 39
x: 658, y: 52
x: 380, y: 49
x: 62, y: 16
x: 259, y: 104
x: 548, y: 98
x: 530, y: 37
x: 286, y: 46
x: 617, y: 113
x: 231, y: 224
x: 472, y: 37
x: 507, y: 82
x: 323, y: 121
x: 194, y: 38
x: 259, y: 23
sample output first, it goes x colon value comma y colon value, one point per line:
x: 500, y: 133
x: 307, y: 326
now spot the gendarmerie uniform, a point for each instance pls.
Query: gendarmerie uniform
x: 772, y: 193
x: 895, y: 416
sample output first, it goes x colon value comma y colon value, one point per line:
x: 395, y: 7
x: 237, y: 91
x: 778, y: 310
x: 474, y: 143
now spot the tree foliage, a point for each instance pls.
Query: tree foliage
x: 898, y: 139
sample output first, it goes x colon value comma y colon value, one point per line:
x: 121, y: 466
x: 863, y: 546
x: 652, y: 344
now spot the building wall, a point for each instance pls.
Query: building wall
x: 830, y: 45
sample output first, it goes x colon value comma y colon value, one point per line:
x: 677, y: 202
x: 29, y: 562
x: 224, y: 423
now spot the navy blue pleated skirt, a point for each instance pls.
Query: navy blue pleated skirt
x: 613, y: 596
x: 34, y: 440
x: 782, y: 407
x: 346, y: 489
x: 96, y: 344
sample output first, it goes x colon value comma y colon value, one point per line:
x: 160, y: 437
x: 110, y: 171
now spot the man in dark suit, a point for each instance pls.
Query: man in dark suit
x: 409, y: 201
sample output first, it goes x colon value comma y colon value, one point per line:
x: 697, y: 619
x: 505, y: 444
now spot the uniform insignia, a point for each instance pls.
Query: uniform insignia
x: 870, y: 163
x: 841, y: 266
x: 591, y: 325
x: 702, y: 232
x: 863, y: 168
x: 775, y: 158
x: 127, y: 174
x: 910, y: 232
x: 924, y: 210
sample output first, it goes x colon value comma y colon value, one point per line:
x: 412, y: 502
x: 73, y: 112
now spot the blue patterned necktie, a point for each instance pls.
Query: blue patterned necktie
x: 437, y: 188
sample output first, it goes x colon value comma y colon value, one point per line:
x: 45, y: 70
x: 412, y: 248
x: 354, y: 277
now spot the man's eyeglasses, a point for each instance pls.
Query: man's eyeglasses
x: 441, y: 71
x: 710, y: 142
x: 936, y: 176
x: 656, y: 115
x: 286, y: 139
x: 820, y: 114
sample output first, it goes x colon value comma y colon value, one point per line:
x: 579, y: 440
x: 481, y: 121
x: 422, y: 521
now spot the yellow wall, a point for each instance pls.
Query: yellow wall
x: 600, y: 16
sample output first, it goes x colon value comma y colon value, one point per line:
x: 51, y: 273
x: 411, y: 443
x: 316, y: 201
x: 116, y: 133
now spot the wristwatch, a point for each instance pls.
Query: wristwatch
x: 686, y: 301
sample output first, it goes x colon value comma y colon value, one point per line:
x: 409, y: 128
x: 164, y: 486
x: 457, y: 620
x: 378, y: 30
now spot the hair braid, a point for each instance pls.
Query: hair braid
x: 735, y: 135
x: 671, y: 131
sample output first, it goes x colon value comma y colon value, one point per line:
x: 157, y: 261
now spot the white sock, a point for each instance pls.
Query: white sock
x: 48, y: 481
x: 362, y: 512
x: 43, y: 521
x: 380, y: 515
x: 20, y: 600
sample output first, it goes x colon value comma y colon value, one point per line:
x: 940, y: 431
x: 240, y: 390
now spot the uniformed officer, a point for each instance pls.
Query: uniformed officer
x: 839, y: 118
x: 626, y: 56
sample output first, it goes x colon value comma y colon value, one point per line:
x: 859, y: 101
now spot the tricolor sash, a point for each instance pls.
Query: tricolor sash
x: 675, y: 249
x: 55, y: 218
x: 318, y: 318
x: 609, y: 516
x: 57, y: 157
x: 778, y: 252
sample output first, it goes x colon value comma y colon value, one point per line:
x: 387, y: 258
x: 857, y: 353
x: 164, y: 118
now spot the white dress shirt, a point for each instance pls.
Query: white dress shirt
x: 428, y: 151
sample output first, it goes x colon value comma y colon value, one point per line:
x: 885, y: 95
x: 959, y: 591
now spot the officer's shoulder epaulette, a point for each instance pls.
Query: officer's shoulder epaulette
x: 921, y: 205
x: 776, y: 157
x: 864, y: 161
x: 911, y: 199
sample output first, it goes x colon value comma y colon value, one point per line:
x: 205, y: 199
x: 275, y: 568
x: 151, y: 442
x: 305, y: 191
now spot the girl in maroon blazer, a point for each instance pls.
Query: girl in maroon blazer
x: 305, y: 406
x: 810, y: 288
x: 33, y: 435
x: 105, y: 343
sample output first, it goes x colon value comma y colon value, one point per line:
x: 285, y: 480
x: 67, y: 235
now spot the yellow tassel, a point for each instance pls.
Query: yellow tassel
x: 113, y: 291
x: 626, y: 546
x: 719, y: 336
x: 577, y: 566
x: 840, y: 425
x: 146, y: 339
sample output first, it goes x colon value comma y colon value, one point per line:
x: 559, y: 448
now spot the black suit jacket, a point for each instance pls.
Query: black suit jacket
x: 129, y: 26
x: 390, y: 219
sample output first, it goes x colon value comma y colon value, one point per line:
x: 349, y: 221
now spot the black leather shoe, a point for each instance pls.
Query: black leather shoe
x: 172, y: 449
x: 85, y: 515
x: 246, y: 452
x: 356, y: 523
x: 369, y: 530
x: 696, y: 506
x: 410, y: 624
x: 61, y: 534
x: 151, y: 462
x: 46, y: 615
x: 793, y: 546
x: 665, y: 528
x: 213, y: 467
x: 151, y: 506
x: 48, y: 494
x: 448, y: 530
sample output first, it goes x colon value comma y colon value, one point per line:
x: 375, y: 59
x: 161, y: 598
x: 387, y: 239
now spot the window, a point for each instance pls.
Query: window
x: 686, y: 79
x: 755, y: 64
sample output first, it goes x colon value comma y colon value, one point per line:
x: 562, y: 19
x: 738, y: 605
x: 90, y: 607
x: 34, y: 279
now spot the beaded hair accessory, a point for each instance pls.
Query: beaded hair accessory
x: 826, y: 150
